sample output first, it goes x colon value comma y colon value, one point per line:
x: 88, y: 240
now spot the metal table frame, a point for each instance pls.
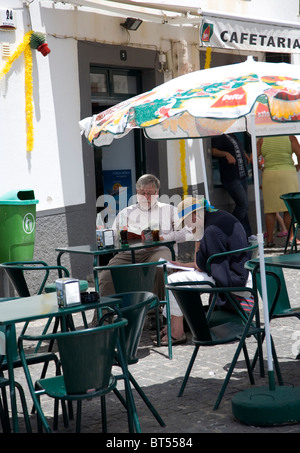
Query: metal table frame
x: 30, y: 309
x: 291, y: 261
x: 93, y: 251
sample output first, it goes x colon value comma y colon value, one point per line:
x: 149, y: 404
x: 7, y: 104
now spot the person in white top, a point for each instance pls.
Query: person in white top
x: 148, y: 212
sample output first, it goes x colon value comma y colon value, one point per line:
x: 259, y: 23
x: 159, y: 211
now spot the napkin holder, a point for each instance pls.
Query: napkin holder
x: 68, y: 292
x: 105, y: 238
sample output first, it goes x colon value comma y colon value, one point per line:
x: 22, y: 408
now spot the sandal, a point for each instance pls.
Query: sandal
x: 161, y: 334
x: 175, y: 341
x: 282, y: 234
x: 297, y: 242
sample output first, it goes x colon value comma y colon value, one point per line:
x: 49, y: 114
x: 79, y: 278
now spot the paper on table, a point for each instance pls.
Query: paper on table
x: 175, y: 266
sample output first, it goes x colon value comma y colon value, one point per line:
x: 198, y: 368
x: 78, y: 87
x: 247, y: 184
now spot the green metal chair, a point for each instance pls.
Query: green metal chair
x: 188, y: 297
x: 86, y: 359
x: 16, y: 273
x: 4, y: 414
x: 278, y: 298
x: 219, y: 314
x: 134, y: 307
x: 232, y: 255
x: 140, y: 277
x: 292, y: 202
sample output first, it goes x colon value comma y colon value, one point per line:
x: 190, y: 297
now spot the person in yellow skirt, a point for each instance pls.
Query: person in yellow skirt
x: 279, y: 176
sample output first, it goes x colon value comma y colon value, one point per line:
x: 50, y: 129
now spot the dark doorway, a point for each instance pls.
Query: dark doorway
x: 110, y: 86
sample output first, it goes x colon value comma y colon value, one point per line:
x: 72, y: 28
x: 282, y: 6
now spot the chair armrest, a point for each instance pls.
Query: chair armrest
x: 15, y: 270
x: 33, y: 265
x: 230, y: 252
x: 160, y: 263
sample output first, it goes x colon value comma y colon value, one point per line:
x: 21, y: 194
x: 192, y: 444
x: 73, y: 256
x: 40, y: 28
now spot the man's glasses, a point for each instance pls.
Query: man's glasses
x: 146, y: 192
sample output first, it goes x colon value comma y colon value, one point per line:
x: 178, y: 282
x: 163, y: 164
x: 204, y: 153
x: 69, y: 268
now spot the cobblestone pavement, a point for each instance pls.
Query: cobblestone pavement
x: 193, y: 412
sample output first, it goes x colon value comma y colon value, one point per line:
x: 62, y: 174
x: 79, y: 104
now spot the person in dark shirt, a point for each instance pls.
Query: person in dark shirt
x: 215, y: 231
x: 233, y: 162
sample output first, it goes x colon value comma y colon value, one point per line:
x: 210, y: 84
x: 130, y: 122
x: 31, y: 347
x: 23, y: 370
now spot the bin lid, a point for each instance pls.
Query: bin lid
x: 18, y: 197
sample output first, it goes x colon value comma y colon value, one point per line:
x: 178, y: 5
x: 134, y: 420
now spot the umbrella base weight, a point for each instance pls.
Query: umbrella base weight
x: 264, y: 407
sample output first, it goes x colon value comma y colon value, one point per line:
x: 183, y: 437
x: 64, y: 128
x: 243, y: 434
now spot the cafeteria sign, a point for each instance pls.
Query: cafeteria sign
x: 247, y: 35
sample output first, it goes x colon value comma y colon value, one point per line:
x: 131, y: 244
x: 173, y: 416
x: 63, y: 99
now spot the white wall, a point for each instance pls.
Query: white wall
x: 54, y: 168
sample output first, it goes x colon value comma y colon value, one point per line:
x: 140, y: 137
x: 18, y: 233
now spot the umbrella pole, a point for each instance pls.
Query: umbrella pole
x: 260, y: 240
x: 270, y: 405
x: 203, y: 169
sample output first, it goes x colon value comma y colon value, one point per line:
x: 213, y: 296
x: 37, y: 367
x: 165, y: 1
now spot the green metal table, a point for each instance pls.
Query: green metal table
x: 30, y: 309
x: 270, y: 405
x: 291, y: 261
x: 95, y: 252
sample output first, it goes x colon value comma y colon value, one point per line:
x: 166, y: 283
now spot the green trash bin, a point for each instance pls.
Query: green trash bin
x: 17, y: 225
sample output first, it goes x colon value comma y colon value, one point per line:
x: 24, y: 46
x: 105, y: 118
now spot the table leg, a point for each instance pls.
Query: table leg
x: 132, y: 257
x: 9, y: 336
x: 96, y: 279
x: 59, y: 262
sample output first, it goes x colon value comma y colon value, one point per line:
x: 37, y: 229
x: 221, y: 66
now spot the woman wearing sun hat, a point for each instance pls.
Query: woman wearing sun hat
x: 215, y: 231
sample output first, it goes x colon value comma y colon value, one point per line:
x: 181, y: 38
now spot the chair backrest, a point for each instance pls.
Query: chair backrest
x: 133, y: 277
x: 86, y: 356
x: 133, y: 307
x: 247, y: 253
x: 13, y: 340
x: 292, y: 202
x: 15, y: 271
x: 275, y: 282
x: 200, y: 322
x: 190, y: 303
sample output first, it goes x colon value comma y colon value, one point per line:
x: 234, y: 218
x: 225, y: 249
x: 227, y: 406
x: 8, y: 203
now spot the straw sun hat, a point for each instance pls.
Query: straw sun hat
x: 187, y: 206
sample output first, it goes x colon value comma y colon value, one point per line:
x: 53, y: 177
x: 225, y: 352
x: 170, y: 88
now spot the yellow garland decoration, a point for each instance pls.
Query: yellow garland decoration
x: 29, y: 97
x: 182, y: 167
x: 24, y: 46
x: 207, y: 58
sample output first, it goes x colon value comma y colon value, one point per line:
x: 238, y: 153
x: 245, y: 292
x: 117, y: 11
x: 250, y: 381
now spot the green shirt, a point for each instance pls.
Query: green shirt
x: 277, y: 153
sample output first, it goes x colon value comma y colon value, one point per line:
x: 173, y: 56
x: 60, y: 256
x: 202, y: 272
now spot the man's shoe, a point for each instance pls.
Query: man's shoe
x: 270, y: 244
x: 175, y: 341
